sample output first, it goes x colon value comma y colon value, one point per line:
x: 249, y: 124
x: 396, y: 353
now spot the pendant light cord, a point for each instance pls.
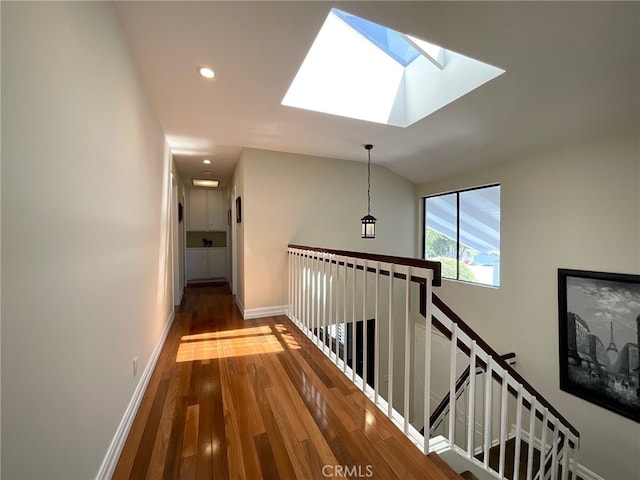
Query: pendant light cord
x: 369, y: 185
x: 368, y: 147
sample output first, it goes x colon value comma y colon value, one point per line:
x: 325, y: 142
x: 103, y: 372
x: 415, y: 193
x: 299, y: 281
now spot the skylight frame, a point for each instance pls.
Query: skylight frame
x: 347, y: 74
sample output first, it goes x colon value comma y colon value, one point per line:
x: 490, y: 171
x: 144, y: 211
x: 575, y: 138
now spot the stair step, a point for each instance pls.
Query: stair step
x: 468, y: 476
x: 444, y: 467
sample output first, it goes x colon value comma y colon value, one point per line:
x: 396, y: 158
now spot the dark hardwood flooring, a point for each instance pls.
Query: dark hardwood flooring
x: 255, y: 399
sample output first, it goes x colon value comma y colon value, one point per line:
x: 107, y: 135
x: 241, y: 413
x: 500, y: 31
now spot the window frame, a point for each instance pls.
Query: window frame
x: 424, y: 227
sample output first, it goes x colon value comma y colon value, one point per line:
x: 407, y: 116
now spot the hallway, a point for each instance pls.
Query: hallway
x: 255, y: 399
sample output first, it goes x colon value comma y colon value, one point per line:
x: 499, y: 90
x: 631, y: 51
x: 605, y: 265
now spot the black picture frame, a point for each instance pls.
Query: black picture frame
x: 599, y: 337
x: 238, y: 210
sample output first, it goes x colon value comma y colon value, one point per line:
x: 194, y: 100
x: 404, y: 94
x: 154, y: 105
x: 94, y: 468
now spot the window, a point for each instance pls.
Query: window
x: 462, y: 230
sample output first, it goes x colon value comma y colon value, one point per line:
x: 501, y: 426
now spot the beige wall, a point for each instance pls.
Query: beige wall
x: 85, y: 243
x: 315, y: 201
x: 572, y: 208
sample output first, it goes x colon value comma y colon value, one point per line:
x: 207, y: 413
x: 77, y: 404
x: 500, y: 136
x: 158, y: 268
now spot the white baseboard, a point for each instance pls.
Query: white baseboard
x: 264, y: 312
x: 180, y: 297
x: 117, y: 443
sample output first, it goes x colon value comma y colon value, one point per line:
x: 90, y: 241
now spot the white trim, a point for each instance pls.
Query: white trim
x: 586, y: 474
x: 264, y: 312
x: 180, y: 297
x: 239, y: 305
x: 117, y: 443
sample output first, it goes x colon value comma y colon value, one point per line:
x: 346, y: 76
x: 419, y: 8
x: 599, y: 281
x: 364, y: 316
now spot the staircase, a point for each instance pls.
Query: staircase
x: 425, y: 368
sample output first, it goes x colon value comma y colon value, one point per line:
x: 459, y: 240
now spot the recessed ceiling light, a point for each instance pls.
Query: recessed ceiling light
x: 201, y: 182
x: 206, y: 162
x: 206, y: 72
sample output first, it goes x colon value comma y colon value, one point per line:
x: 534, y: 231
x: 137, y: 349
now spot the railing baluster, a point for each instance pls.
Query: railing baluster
x: 427, y: 361
x: 353, y: 322
x: 323, y: 301
x: 452, y: 384
x: 322, y: 286
x: 303, y: 286
x: 532, y: 426
x: 332, y: 283
x: 503, y: 424
x: 407, y: 352
x: 573, y: 460
x: 565, y: 453
x: 298, y: 288
x: 554, y: 451
x: 376, y: 322
x: 543, y: 445
x: 289, y: 283
x: 314, y: 294
x: 472, y: 399
x: 344, y: 315
x: 292, y: 289
x: 301, y: 290
x: 316, y: 327
x: 305, y: 293
x: 290, y: 258
x: 487, y: 412
x: 311, y: 299
x: 390, y: 360
x: 364, y: 329
x: 334, y: 345
x: 516, y: 461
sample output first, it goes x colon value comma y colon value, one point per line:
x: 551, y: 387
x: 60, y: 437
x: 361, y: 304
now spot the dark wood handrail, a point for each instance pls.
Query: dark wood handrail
x: 412, y: 262
x: 495, y: 356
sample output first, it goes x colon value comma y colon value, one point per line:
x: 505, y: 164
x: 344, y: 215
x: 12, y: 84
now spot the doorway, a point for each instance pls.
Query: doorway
x: 176, y: 234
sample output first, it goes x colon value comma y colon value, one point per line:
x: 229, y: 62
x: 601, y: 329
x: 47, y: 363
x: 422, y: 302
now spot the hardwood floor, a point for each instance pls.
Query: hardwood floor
x: 255, y: 399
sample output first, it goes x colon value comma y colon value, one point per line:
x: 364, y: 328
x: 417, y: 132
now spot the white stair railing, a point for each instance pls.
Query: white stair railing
x: 499, y: 405
x: 376, y: 318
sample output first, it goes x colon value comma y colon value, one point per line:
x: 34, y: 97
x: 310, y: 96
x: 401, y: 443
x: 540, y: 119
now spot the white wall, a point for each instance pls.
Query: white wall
x: 317, y: 202
x: 85, y: 241
x: 178, y: 261
x: 579, y: 208
x: 237, y: 247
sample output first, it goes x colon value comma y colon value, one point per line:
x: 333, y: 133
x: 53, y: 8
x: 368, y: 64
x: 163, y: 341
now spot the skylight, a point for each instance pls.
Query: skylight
x: 359, y: 69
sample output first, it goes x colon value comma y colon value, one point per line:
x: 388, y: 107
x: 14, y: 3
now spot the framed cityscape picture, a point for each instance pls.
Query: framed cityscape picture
x: 599, y: 331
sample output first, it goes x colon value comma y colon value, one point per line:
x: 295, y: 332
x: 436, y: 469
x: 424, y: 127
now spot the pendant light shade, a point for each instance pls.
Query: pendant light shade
x: 368, y: 226
x: 368, y: 221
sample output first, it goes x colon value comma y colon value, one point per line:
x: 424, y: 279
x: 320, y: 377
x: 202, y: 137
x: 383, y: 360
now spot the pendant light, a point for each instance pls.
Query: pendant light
x: 368, y: 221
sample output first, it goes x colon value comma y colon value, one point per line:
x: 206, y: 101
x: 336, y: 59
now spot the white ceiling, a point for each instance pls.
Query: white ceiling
x: 572, y: 73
